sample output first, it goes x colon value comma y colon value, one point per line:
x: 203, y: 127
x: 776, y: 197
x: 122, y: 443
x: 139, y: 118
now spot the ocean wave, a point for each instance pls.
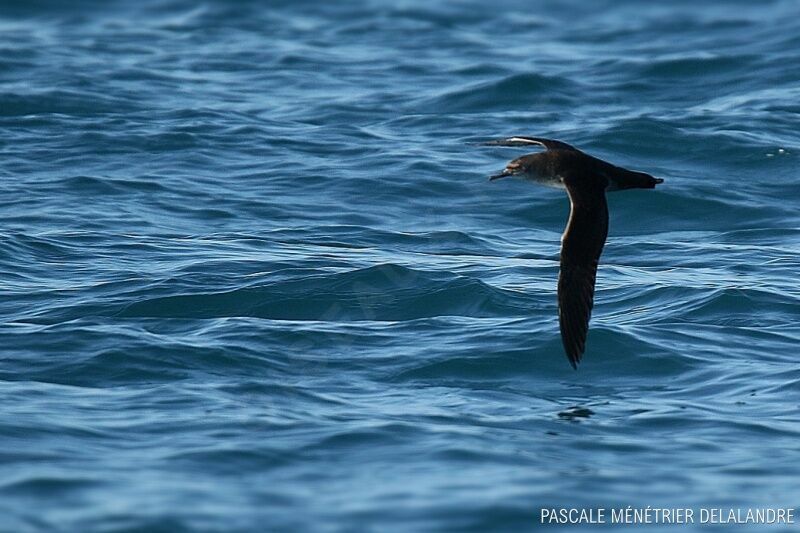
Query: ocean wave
x: 517, y: 91
x: 385, y: 292
x: 63, y: 102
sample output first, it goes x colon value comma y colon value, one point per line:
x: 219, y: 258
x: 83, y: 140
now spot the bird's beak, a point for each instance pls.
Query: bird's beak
x: 503, y: 174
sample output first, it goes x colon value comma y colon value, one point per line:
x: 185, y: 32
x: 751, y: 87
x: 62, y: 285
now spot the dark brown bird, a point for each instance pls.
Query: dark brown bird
x: 586, y: 180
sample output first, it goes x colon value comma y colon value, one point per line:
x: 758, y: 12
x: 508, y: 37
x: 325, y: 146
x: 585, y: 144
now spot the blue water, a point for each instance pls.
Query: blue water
x: 253, y: 276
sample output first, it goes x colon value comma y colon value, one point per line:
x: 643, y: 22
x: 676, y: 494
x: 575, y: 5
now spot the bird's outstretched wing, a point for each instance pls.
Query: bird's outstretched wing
x: 581, y: 246
x: 549, y: 144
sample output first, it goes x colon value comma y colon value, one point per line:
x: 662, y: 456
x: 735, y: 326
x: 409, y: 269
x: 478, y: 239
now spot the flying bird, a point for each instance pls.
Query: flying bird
x: 586, y: 180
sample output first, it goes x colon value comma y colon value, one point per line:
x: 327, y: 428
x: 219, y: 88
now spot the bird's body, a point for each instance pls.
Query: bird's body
x: 586, y: 180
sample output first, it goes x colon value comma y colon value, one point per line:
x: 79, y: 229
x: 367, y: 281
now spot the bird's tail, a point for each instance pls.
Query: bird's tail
x: 632, y: 179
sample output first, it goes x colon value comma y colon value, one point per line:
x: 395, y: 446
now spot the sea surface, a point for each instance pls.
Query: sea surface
x: 253, y: 276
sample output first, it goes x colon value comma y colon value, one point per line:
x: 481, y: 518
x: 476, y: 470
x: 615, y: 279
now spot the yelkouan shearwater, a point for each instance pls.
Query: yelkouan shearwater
x: 586, y: 180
